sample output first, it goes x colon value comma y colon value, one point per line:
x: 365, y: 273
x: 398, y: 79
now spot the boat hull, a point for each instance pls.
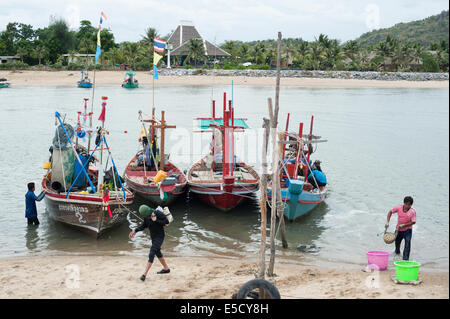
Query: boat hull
x: 84, y: 85
x: 220, y: 195
x: 225, y: 201
x: 138, y: 181
x: 152, y: 193
x: 297, y: 205
x: 130, y: 86
x: 87, y: 212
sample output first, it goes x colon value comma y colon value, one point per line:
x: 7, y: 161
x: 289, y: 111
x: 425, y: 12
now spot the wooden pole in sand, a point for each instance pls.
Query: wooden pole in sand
x: 277, y: 107
x: 275, y: 176
x: 262, y: 203
x: 277, y: 202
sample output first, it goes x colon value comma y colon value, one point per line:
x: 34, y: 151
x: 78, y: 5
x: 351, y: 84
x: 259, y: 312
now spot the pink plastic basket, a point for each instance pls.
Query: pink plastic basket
x: 378, y: 260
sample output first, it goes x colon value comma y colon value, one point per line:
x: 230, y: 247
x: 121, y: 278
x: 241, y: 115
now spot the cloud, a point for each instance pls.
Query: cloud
x: 222, y: 20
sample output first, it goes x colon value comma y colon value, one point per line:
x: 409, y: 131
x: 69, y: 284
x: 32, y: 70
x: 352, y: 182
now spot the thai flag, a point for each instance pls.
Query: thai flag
x: 104, y: 16
x: 159, y: 45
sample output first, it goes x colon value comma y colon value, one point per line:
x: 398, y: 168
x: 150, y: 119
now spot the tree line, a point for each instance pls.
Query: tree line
x: 46, y: 46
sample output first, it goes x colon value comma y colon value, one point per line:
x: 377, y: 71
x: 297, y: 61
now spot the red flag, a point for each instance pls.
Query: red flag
x: 102, y: 115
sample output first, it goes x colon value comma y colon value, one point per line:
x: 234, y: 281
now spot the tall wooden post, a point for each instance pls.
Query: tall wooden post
x: 263, y: 201
x: 277, y: 202
x: 275, y: 176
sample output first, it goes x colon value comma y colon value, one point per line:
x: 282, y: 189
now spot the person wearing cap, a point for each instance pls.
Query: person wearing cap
x: 405, y: 221
x: 30, y: 204
x: 154, y: 220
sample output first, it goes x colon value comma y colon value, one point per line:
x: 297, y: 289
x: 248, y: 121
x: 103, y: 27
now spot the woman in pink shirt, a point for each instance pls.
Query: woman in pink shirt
x: 406, y: 220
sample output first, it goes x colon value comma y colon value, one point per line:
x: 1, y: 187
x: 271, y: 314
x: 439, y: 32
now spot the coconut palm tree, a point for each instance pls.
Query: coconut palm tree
x: 196, y: 50
x: 150, y: 34
x: 316, y: 53
x: 39, y: 52
x: 22, y: 52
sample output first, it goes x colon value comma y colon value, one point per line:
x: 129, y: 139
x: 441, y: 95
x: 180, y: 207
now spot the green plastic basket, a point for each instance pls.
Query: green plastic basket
x: 406, y: 270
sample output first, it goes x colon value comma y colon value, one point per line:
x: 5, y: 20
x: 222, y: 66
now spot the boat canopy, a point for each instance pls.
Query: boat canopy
x: 204, y: 124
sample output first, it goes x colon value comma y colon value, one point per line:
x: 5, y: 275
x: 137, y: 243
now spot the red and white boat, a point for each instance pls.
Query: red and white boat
x: 220, y: 179
x: 141, y: 173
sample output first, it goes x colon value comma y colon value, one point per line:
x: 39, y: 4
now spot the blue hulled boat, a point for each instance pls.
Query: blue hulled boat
x: 85, y: 81
x: 300, y: 195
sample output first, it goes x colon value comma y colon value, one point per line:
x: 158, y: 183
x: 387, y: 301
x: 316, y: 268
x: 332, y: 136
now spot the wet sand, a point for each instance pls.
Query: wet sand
x: 106, y: 277
x: 115, y: 78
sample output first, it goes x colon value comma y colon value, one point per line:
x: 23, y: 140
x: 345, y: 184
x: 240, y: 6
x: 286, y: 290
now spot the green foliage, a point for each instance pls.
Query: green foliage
x: 75, y: 66
x: 144, y: 65
x: 188, y: 66
x: 429, y: 63
x: 425, y: 32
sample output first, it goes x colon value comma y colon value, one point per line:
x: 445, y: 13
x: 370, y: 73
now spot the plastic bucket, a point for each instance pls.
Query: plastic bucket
x: 406, y: 270
x: 378, y: 260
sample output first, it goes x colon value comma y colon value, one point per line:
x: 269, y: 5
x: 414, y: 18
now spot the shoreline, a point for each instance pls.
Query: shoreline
x: 107, y: 277
x: 25, y: 78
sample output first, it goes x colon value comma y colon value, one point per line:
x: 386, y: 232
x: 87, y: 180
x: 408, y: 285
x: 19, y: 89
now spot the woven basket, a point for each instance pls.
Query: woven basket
x: 389, y: 238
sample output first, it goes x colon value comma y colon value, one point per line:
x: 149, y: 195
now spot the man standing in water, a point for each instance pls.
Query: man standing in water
x: 406, y: 220
x: 30, y: 204
x: 155, y: 221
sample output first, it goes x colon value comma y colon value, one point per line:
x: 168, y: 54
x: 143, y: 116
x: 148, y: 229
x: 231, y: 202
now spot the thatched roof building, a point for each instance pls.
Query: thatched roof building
x: 179, y: 41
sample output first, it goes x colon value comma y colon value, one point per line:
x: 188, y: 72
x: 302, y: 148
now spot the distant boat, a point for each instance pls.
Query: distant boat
x: 85, y: 81
x: 220, y: 179
x: 80, y: 192
x: 3, y: 83
x: 147, y: 167
x: 130, y: 81
x: 299, y: 196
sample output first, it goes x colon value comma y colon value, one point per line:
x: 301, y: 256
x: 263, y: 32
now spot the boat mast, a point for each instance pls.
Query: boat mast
x: 305, y: 170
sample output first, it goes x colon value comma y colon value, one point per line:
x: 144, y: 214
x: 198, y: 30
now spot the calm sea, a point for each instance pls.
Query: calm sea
x: 383, y: 144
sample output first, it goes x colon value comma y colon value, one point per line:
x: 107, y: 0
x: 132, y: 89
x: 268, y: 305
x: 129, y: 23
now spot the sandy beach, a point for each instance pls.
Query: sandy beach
x: 197, y: 278
x: 112, y: 78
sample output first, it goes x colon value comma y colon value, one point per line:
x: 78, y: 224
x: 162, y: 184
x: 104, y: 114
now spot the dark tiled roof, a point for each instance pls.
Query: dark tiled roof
x: 180, y: 39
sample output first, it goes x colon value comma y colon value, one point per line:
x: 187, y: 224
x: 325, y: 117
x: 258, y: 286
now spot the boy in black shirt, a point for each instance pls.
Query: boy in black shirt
x: 155, y: 221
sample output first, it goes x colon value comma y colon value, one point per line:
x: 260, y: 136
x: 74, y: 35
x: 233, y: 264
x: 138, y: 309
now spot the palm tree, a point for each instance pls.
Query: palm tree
x: 417, y: 53
x: 332, y: 54
x: 196, y: 50
x: 244, y: 52
x: 289, y: 52
x: 147, y: 38
x: 316, y: 52
x: 351, y: 49
x: 129, y: 51
x: 22, y: 52
x: 39, y: 52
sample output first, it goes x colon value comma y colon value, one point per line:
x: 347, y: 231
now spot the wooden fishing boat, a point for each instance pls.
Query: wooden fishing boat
x: 141, y: 173
x: 220, y: 179
x: 4, y: 84
x: 78, y: 192
x: 130, y: 81
x: 299, y: 196
x: 85, y: 82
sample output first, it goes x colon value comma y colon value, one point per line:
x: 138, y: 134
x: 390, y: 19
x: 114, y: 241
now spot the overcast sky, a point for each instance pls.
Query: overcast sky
x: 220, y: 20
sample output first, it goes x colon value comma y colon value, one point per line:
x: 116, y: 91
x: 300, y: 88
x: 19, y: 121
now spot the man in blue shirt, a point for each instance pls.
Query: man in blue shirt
x: 30, y: 204
x: 319, y: 179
